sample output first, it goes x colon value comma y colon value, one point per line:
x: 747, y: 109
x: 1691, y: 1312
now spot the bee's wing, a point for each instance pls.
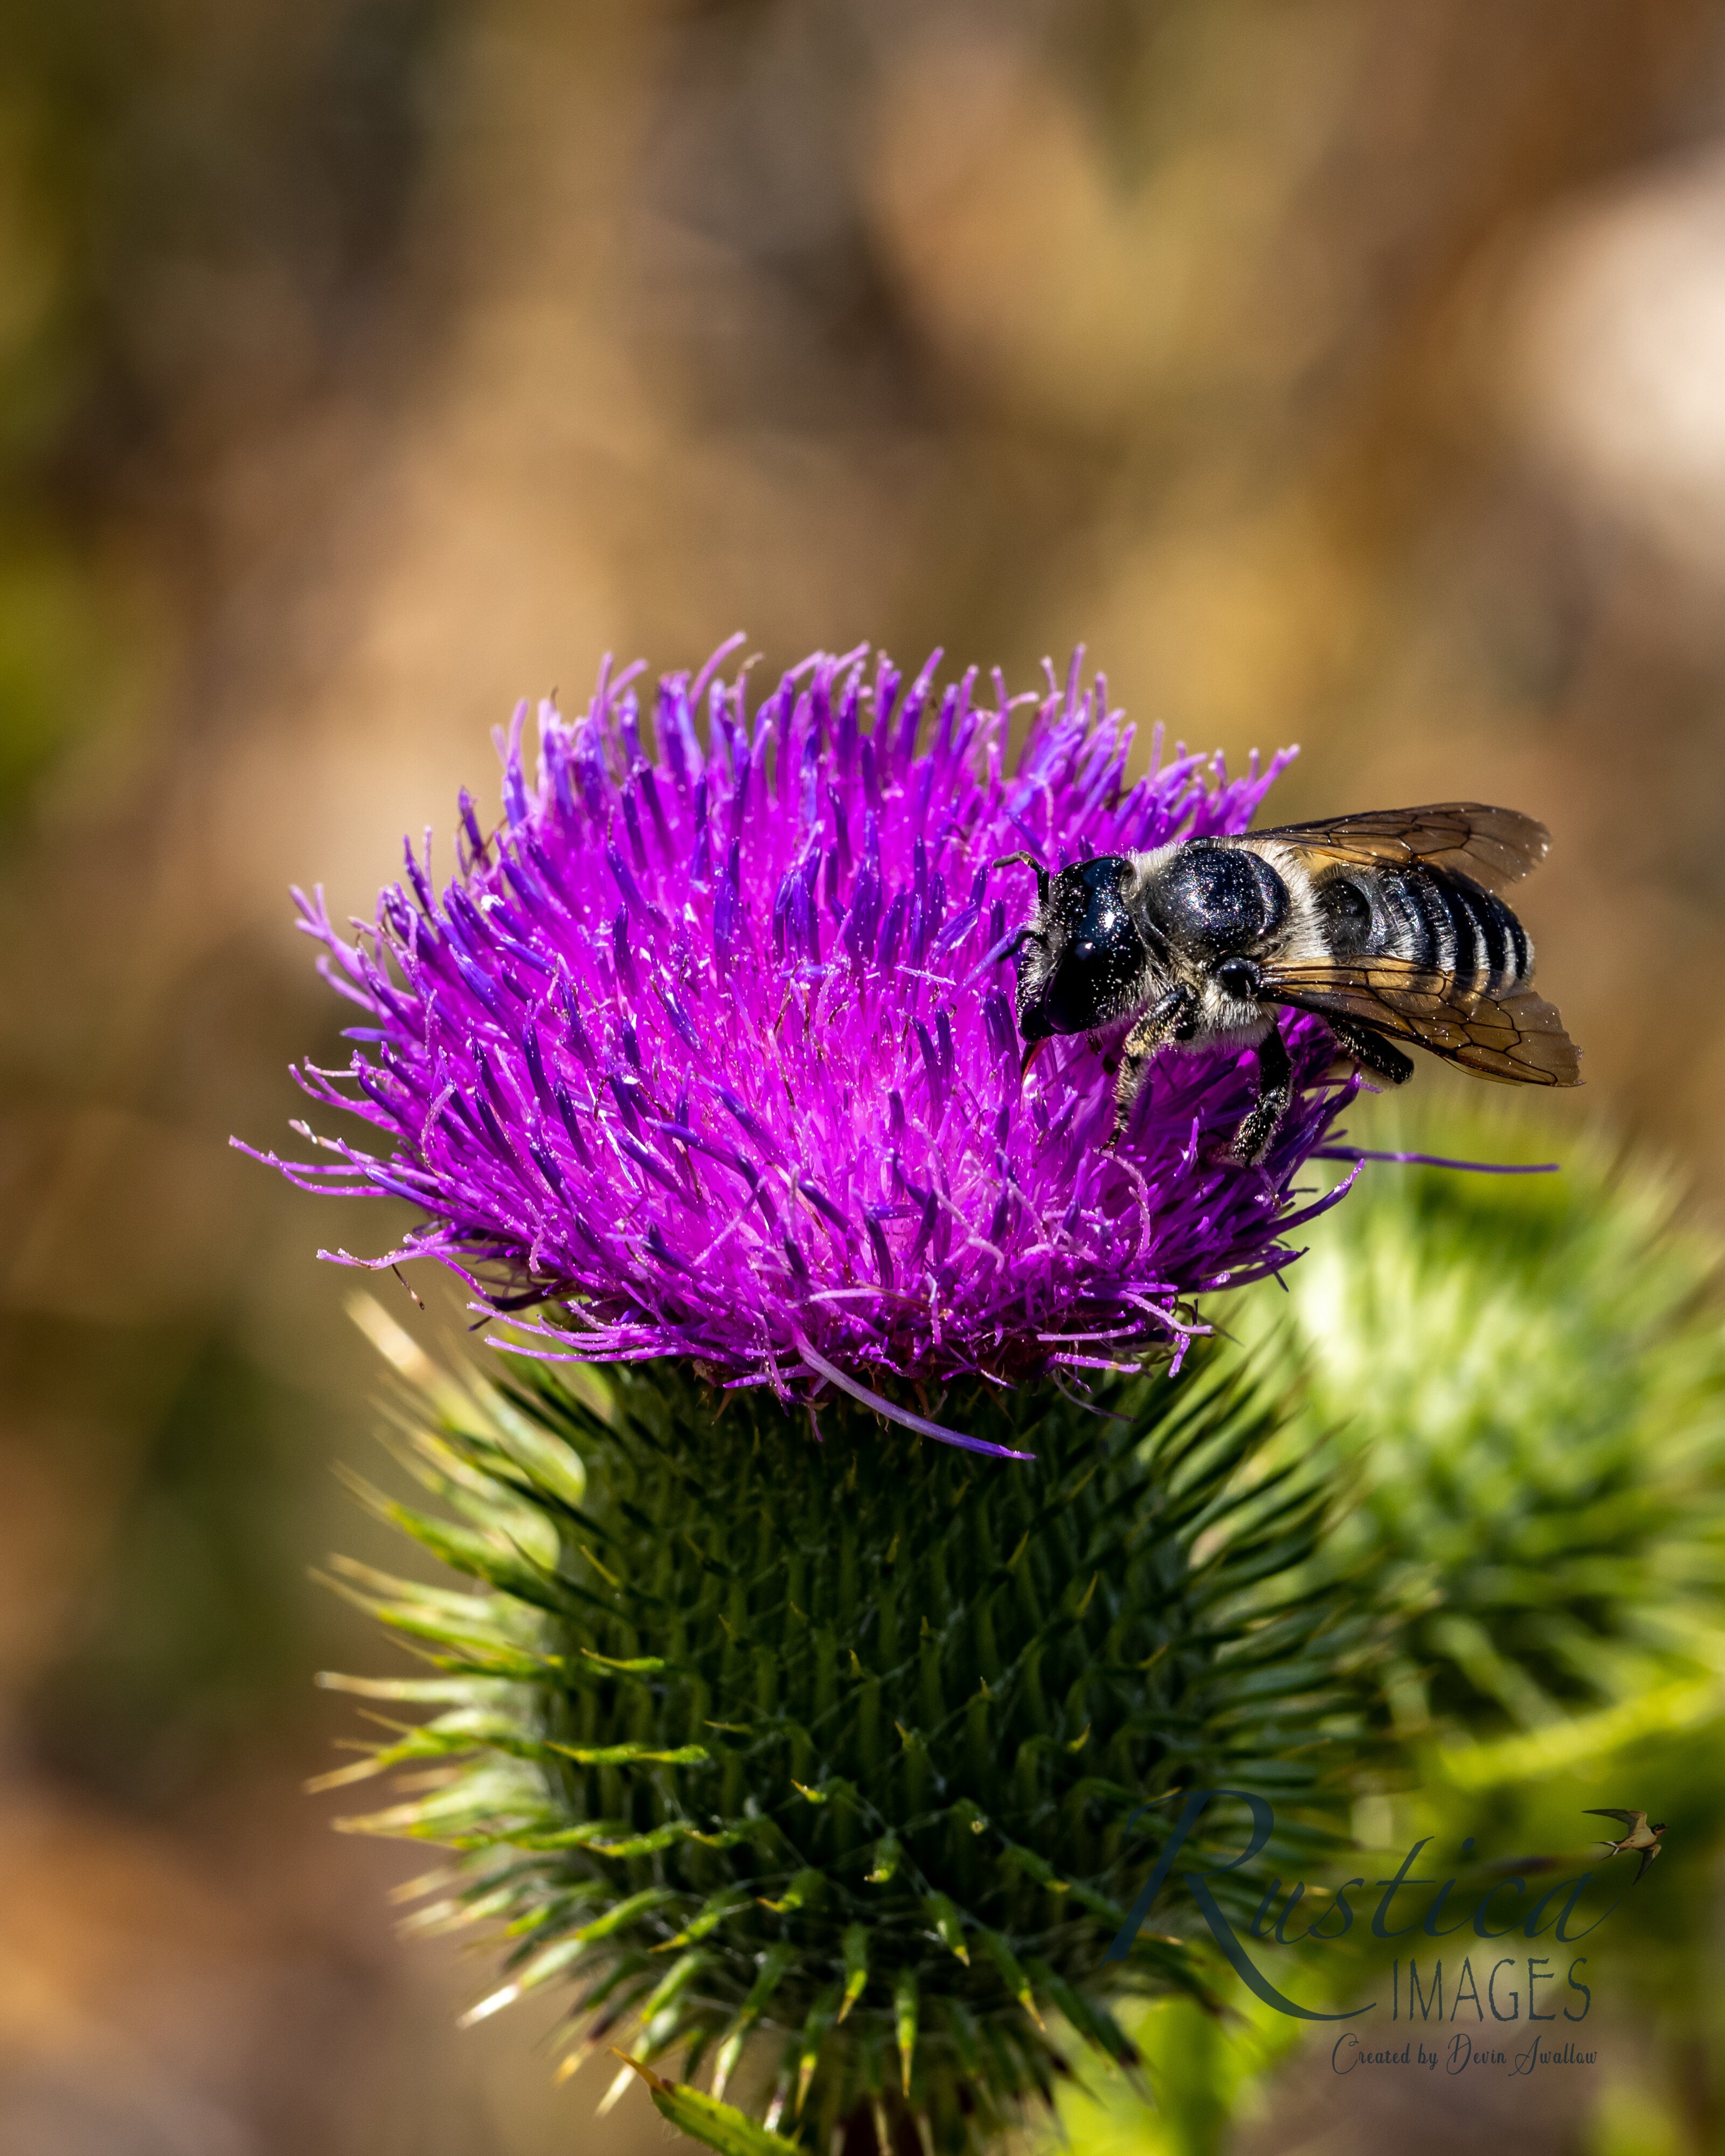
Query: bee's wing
x: 1519, y: 1041
x: 1494, y: 846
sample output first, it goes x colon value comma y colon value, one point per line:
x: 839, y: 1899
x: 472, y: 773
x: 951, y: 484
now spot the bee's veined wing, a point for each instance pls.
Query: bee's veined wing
x: 1494, y: 846
x: 1520, y: 1041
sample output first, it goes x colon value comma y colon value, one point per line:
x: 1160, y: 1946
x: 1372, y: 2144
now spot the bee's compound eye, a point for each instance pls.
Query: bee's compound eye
x: 1221, y: 897
x: 1097, y: 952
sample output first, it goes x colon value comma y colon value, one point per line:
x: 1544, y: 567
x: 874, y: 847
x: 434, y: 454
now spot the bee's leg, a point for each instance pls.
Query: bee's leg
x: 1161, y: 1023
x: 1371, y: 1050
x: 1275, y: 1089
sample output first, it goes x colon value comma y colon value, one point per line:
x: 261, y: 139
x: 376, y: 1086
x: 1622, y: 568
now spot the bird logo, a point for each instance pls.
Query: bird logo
x: 1639, y: 1836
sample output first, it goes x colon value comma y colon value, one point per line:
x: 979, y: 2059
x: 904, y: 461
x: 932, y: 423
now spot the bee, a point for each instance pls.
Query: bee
x: 1388, y: 925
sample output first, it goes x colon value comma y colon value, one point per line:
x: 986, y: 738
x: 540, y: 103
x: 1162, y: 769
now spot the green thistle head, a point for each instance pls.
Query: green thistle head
x: 808, y: 1756
x: 1523, y: 1377
x: 810, y: 1763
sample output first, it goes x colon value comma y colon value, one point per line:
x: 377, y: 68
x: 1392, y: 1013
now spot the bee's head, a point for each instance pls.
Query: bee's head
x: 1081, y: 961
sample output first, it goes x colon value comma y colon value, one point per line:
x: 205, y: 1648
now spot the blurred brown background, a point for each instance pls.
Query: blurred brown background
x: 1350, y: 372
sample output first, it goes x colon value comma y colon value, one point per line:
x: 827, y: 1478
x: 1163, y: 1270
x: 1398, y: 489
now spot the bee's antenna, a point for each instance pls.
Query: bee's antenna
x: 1029, y: 861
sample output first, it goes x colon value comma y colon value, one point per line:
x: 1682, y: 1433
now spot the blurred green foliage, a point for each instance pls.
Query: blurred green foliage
x: 196, y: 1633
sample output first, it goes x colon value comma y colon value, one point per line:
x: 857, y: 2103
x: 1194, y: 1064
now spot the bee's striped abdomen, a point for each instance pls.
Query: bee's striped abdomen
x: 1448, y: 924
x: 1388, y: 934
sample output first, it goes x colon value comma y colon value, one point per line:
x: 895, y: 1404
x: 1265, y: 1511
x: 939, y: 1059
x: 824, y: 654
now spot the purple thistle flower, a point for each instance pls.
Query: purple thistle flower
x: 709, y: 1050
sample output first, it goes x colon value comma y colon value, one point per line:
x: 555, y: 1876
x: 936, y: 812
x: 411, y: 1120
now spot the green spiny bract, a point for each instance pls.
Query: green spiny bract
x: 812, y: 1762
